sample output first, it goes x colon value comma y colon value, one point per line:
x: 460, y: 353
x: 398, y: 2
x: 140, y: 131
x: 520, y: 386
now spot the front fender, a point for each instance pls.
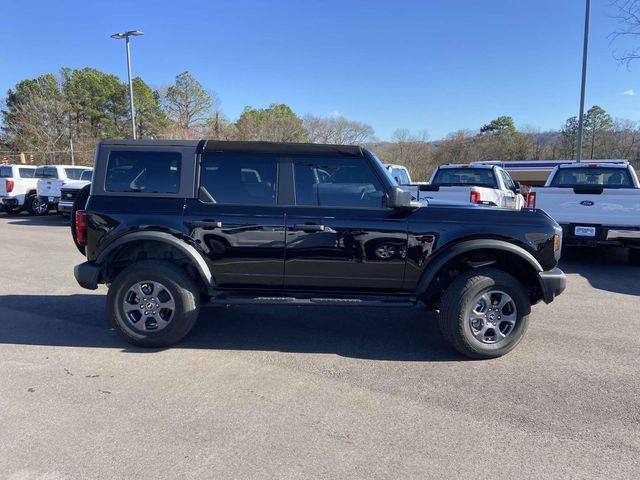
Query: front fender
x: 449, y: 253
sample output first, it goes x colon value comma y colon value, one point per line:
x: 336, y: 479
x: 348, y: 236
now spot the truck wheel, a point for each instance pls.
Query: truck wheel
x: 485, y: 313
x: 79, y: 204
x: 12, y: 210
x: 634, y: 256
x: 153, y: 303
x: 36, y: 206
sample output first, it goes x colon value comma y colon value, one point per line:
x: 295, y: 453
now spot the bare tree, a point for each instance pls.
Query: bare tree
x: 627, y: 12
x: 337, y: 130
x: 41, y: 126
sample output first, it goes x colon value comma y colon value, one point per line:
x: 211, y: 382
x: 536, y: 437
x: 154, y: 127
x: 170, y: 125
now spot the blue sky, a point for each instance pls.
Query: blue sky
x: 428, y: 65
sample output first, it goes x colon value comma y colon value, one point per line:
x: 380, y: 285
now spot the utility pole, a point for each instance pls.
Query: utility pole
x: 585, y: 48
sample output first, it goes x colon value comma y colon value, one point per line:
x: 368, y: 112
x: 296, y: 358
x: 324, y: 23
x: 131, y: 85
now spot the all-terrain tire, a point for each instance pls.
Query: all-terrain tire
x: 460, y: 300
x: 175, y: 284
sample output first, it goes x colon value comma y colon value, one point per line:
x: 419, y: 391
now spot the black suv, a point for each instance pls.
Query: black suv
x: 173, y: 225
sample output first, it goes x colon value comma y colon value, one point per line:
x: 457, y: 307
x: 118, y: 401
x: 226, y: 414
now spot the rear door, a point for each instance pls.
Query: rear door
x: 340, y: 234
x: 236, y: 220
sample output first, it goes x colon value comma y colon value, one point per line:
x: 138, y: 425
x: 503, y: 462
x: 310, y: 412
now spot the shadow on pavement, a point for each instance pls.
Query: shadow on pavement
x: 410, y: 334
x: 604, y: 268
x: 50, y: 220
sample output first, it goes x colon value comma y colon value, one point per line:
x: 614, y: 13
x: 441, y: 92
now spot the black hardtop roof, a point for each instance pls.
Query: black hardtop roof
x: 211, y: 146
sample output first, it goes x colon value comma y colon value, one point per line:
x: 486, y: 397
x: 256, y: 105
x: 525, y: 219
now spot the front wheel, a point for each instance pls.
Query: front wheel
x: 153, y: 303
x: 485, y: 313
x: 12, y: 209
x: 36, y: 206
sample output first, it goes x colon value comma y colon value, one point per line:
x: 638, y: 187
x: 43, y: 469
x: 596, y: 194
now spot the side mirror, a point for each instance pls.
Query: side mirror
x: 399, y: 198
x: 517, y: 187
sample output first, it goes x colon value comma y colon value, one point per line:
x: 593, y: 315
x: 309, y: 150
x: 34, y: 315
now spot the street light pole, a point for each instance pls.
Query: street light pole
x: 133, y: 111
x: 120, y: 36
x: 585, y: 48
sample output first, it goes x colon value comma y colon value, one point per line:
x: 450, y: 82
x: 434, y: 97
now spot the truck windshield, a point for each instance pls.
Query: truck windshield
x: 450, y: 177
x: 592, y: 176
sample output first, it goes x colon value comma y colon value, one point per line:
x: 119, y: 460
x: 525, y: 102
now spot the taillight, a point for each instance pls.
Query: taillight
x: 81, y: 227
x: 531, y: 200
x: 474, y: 197
x: 9, y: 186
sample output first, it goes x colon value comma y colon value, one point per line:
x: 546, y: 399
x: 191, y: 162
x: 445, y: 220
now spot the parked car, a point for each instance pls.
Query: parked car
x: 51, y: 178
x: 172, y: 225
x: 596, y: 203
x: 484, y: 184
x: 70, y: 191
x: 17, y: 188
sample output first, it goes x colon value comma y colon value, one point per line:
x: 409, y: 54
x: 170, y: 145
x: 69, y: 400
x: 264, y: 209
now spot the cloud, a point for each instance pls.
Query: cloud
x: 629, y: 92
x: 339, y: 114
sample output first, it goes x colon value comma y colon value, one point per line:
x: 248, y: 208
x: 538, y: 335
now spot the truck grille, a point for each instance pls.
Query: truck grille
x: 68, y: 195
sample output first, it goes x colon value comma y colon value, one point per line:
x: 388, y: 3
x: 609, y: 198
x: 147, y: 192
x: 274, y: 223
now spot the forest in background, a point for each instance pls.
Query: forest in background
x: 44, y: 116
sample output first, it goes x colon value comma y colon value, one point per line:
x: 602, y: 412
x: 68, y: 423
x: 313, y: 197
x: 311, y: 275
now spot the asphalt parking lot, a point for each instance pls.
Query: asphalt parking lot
x: 287, y: 392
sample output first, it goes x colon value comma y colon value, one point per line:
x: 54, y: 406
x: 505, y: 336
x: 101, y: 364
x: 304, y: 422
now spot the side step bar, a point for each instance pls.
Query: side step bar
x: 366, y: 301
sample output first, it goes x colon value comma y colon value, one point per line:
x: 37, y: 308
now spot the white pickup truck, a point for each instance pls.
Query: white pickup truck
x: 595, y: 203
x: 51, y: 178
x: 69, y: 192
x: 480, y: 183
x: 17, y: 188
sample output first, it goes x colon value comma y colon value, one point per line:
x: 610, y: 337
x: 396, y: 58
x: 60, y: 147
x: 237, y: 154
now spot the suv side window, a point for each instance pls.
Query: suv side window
x: 143, y: 172
x: 337, y: 182
x: 239, y: 178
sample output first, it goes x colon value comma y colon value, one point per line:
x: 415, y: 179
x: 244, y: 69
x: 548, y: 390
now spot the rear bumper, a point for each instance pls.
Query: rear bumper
x: 88, y: 274
x: 9, y: 201
x: 604, y: 235
x: 553, y: 283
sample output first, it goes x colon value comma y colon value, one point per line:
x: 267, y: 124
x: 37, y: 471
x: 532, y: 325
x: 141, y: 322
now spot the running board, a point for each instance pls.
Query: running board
x: 367, y: 301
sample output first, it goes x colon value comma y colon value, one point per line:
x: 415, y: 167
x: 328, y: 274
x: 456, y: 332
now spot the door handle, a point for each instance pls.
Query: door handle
x: 207, y: 223
x: 309, y: 227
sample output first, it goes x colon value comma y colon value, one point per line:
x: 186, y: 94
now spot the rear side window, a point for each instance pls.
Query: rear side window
x: 26, y: 172
x: 593, y: 176
x: 143, y: 172
x: 5, y: 172
x: 240, y: 179
x: 46, y: 172
x: 337, y: 182
x: 400, y: 176
x: 74, y: 173
x: 451, y: 177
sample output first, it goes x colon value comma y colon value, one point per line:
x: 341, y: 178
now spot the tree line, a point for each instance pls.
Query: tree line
x: 46, y: 115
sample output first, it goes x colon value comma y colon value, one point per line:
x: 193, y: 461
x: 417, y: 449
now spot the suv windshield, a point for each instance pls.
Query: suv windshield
x: 449, y: 177
x: 592, y: 176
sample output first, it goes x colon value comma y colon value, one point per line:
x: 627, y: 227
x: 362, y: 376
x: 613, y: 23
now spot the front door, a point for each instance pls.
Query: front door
x: 340, y: 236
x: 236, y: 221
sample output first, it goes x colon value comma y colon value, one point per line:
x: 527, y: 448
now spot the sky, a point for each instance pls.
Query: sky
x: 434, y: 65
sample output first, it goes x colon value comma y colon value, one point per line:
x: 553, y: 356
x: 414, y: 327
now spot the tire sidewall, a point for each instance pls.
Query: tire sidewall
x: 523, y: 307
x: 177, y: 283
x: 32, y: 211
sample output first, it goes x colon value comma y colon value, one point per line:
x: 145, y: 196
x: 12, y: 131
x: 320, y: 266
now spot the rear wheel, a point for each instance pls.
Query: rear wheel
x: 11, y: 209
x: 36, y: 206
x: 153, y: 303
x: 485, y: 313
x: 634, y: 256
